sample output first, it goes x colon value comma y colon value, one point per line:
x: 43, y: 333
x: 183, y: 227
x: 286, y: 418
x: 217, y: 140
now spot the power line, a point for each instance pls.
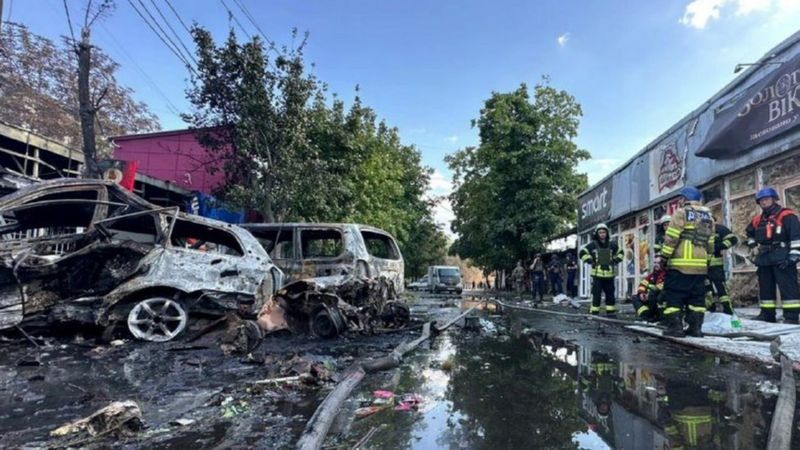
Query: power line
x: 171, y: 106
x: 174, y: 51
x: 174, y: 11
x: 252, y: 20
x: 164, y: 33
x: 174, y: 33
x: 235, y: 19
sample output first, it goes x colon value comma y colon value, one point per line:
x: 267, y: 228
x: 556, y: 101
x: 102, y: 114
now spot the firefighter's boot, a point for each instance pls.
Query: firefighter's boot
x: 674, y: 323
x: 766, y: 315
x: 695, y: 321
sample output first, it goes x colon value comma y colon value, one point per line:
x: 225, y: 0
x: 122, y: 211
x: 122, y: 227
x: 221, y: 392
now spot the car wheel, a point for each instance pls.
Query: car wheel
x: 157, y: 319
x: 327, y: 322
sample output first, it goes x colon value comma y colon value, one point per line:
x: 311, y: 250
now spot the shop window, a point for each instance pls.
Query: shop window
x: 628, y: 223
x: 781, y: 171
x: 712, y: 194
x: 743, y: 209
x: 742, y: 183
x: 644, y: 249
x: 716, y: 211
x: 792, y: 197
x: 644, y: 218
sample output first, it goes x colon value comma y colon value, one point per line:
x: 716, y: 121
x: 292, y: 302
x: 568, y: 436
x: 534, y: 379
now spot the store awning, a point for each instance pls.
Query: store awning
x: 768, y: 109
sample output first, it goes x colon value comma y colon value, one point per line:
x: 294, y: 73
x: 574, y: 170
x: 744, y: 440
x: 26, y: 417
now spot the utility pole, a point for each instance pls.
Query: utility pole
x: 87, y: 108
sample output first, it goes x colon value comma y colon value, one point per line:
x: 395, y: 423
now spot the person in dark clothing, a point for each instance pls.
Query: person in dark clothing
x: 661, y: 228
x: 604, y: 255
x: 572, y: 273
x: 537, y: 277
x: 554, y: 270
x: 725, y: 240
x: 776, y: 233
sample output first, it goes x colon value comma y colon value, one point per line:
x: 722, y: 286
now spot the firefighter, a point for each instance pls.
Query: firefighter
x: 724, y: 239
x: 603, y: 255
x: 648, y: 300
x: 662, y: 225
x: 776, y: 233
x: 688, y: 246
x: 537, y: 277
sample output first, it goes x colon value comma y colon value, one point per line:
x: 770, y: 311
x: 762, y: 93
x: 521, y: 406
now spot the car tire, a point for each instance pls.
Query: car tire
x: 157, y: 319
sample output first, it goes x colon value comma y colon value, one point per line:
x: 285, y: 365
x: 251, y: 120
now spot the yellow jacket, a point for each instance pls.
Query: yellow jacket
x: 689, y: 240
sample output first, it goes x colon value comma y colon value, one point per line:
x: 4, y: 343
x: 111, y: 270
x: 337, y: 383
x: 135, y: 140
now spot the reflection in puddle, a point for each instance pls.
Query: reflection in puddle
x: 535, y: 391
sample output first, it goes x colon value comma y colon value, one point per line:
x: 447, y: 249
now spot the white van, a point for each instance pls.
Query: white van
x: 445, y: 279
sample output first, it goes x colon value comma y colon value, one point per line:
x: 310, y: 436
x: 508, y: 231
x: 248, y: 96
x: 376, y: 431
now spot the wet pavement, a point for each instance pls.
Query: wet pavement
x: 521, y: 380
x: 531, y: 380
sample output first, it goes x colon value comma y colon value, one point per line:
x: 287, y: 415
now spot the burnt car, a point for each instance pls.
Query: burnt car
x: 313, y: 250
x: 88, y: 251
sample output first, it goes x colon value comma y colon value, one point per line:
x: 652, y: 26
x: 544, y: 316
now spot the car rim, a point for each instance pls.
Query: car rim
x: 157, y: 319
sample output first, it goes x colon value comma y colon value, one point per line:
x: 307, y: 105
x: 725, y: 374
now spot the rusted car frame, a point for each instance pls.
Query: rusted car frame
x: 312, y: 250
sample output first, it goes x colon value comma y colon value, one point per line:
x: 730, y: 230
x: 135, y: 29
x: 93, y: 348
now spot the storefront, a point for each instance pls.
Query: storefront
x: 744, y: 138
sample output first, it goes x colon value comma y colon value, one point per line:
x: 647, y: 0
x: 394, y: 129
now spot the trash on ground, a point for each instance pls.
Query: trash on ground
x: 121, y: 418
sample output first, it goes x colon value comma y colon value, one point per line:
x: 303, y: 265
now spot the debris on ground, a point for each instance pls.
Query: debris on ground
x: 119, y: 419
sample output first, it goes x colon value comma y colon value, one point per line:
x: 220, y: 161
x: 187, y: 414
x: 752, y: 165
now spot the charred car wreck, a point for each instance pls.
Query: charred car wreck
x: 90, y: 251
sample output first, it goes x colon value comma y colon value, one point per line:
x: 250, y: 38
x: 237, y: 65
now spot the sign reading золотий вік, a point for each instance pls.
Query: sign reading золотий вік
x: 595, y: 206
x: 767, y: 109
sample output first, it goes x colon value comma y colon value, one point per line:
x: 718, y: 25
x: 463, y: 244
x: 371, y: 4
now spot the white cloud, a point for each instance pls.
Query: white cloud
x: 451, y: 139
x: 440, y: 184
x: 563, y: 39
x: 443, y: 215
x: 700, y: 13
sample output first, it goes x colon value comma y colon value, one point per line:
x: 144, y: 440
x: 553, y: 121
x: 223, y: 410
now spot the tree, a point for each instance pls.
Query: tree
x: 39, y: 91
x: 252, y: 115
x: 518, y: 188
x: 290, y: 156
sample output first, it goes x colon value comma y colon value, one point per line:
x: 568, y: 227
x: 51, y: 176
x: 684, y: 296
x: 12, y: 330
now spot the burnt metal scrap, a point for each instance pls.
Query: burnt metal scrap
x: 89, y: 251
x: 329, y: 306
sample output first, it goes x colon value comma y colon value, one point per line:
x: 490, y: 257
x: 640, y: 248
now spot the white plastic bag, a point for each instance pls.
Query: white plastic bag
x: 717, y: 323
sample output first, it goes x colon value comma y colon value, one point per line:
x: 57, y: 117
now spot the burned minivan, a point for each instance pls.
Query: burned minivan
x: 88, y: 251
x: 313, y: 250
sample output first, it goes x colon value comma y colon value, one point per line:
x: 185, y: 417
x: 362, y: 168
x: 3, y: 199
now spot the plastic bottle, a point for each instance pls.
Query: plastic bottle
x: 735, y: 322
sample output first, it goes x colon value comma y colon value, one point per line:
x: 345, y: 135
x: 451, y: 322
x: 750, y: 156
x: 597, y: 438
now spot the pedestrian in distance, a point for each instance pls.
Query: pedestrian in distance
x: 688, y: 248
x: 603, y: 255
x: 554, y: 270
x: 537, y: 277
x: 518, y: 276
x: 572, y: 273
x: 775, y: 235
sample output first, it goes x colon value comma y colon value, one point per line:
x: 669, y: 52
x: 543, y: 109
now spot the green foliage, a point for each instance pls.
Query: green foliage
x: 518, y: 188
x: 289, y: 155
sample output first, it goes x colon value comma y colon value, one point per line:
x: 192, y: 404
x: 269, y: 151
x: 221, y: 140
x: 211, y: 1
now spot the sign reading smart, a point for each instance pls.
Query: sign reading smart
x: 595, y: 206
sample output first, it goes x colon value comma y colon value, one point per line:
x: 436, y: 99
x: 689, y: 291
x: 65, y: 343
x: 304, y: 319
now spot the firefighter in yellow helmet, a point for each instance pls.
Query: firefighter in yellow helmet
x: 688, y: 248
x: 603, y: 254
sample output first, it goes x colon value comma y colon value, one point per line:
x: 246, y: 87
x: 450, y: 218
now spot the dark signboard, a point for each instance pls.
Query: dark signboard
x: 769, y: 108
x: 595, y: 206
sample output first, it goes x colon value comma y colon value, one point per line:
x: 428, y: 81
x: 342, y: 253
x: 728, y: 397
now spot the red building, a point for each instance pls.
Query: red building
x: 174, y: 157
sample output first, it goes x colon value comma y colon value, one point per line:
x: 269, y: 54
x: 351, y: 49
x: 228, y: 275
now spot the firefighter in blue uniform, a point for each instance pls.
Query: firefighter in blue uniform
x: 604, y: 255
x: 776, y: 234
x: 725, y: 240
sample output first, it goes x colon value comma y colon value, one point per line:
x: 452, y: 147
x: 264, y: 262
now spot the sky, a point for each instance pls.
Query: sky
x: 426, y: 67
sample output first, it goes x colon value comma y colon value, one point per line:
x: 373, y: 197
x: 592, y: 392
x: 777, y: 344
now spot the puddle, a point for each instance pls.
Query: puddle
x: 598, y: 388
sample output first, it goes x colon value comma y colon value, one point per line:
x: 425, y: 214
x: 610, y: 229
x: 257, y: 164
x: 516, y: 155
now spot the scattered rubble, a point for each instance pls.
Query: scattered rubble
x: 118, y: 419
